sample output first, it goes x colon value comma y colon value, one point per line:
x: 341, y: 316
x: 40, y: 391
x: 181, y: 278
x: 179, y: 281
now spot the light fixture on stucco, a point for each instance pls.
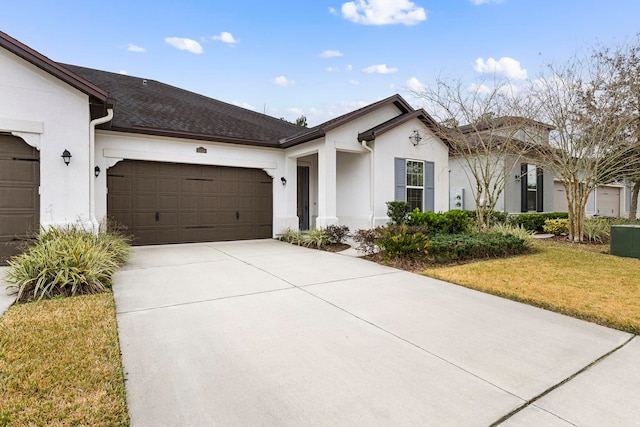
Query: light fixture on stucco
x: 284, y: 180
x: 66, y: 156
x: 96, y: 171
x: 415, y: 137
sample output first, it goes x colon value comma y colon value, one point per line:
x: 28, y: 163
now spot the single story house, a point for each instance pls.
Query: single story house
x: 78, y: 145
x: 528, y: 187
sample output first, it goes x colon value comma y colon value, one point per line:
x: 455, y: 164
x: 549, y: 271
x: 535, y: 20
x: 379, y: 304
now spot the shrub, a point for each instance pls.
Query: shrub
x: 318, y: 238
x: 517, y: 231
x: 366, y: 240
x: 67, y: 261
x: 556, y: 226
x: 398, y: 212
x: 401, y: 241
x: 497, y: 217
x: 597, y: 229
x: 535, y: 221
x: 337, y: 233
x: 291, y: 236
x: 451, y: 222
x: 447, y: 248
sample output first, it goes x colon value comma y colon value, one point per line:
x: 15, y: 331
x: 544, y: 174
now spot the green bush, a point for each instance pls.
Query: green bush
x: 318, y: 238
x: 398, y: 212
x: 597, y: 229
x: 448, y: 248
x: 292, y: 236
x: 535, y: 221
x: 67, y: 261
x: 451, y: 222
x: 337, y: 233
x: 497, y: 217
x: 517, y: 231
x: 556, y: 226
x: 398, y: 242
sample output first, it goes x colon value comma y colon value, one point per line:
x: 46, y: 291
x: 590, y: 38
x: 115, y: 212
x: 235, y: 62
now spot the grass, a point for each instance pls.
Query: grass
x: 574, y: 279
x: 60, y: 364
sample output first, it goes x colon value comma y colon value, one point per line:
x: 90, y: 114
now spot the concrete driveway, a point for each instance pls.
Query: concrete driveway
x: 266, y: 333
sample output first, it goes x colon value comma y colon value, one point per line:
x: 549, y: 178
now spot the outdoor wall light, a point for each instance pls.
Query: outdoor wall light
x: 96, y: 170
x: 284, y: 180
x: 66, y: 156
x: 415, y: 138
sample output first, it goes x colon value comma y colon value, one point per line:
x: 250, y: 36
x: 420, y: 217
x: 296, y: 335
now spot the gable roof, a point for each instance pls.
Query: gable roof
x: 25, y: 52
x: 154, y: 108
x: 420, y: 114
x: 321, y: 129
x: 504, y: 121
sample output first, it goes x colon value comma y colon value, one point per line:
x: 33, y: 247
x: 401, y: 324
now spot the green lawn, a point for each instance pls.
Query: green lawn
x: 60, y: 364
x: 574, y: 279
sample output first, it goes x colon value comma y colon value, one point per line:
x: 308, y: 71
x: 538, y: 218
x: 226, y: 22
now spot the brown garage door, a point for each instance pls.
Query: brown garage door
x: 19, y: 199
x: 180, y: 203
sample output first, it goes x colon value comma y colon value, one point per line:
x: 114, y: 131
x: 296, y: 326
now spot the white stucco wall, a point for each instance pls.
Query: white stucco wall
x: 395, y: 143
x: 51, y: 116
x: 353, y: 190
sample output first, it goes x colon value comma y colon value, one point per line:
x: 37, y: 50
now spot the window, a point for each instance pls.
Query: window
x: 531, y: 181
x: 414, y: 183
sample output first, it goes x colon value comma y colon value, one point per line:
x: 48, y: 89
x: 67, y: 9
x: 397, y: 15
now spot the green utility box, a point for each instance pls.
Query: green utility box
x: 625, y: 240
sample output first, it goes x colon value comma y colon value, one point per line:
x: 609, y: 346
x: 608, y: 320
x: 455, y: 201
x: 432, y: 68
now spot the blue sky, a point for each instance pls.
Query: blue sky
x: 317, y: 58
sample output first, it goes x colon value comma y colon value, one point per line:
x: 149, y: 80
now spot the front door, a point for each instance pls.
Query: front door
x: 303, y: 197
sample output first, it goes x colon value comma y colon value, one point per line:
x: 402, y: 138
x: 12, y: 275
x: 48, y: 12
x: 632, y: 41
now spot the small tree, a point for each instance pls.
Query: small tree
x: 483, y: 124
x: 302, y: 121
x: 590, y: 144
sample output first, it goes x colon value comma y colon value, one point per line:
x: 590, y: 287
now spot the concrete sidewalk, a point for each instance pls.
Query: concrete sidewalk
x: 267, y: 333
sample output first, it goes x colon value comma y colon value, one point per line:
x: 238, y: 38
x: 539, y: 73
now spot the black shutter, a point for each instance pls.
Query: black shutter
x: 539, y: 190
x: 523, y: 187
x: 400, y: 173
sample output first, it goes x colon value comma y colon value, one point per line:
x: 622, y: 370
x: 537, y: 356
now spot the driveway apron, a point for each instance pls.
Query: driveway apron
x: 266, y: 333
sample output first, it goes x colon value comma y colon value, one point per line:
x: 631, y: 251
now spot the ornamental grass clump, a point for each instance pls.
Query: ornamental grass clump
x: 67, y: 261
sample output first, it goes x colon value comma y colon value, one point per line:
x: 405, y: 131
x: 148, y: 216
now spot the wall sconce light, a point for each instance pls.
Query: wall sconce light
x: 66, y: 156
x: 96, y: 171
x: 415, y: 137
x: 284, y: 180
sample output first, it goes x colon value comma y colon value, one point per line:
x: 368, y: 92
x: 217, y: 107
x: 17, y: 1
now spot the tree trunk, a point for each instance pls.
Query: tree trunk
x: 633, y: 208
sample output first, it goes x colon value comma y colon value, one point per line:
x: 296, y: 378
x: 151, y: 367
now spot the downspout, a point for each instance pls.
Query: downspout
x: 92, y: 165
x: 371, y: 188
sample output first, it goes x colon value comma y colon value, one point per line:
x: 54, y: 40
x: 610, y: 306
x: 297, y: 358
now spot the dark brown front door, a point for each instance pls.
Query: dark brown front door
x: 180, y: 203
x: 19, y: 198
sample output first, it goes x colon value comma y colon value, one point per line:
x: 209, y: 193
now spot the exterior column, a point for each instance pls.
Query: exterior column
x: 326, y: 186
x: 286, y: 197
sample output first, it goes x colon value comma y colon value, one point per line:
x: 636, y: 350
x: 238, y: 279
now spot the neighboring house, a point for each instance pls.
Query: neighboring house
x: 528, y: 187
x: 174, y: 166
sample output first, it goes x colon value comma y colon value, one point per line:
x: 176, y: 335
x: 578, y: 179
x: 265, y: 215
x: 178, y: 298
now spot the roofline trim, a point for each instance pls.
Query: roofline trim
x: 52, y: 67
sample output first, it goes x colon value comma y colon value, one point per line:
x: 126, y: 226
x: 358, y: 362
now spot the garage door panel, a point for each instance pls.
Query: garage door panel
x: 19, y: 198
x: 193, y: 202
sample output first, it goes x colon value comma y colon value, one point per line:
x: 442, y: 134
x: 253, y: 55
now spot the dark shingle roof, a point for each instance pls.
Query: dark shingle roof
x: 420, y: 114
x: 503, y: 121
x: 150, y: 107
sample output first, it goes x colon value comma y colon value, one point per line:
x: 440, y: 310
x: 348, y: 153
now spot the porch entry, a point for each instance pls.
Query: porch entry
x: 303, y: 197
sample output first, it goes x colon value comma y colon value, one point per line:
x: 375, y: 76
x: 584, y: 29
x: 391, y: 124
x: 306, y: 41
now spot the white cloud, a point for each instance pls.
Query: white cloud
x: 185, y: 44
x: 479, y: 88
x: 225, y: 37
x: 354, y: 82
x: 297, y: 111
x: 135, y: 48
x: 330, y: 54
x: 415, y: 85
x: 379, y: 69
x: 244, y: 105
x: 283, y: 81
x: 508, y: 67
x: 383, y: 12
x: 479, y: 2
x: 331, y: 69
x: 333, y: 11
x: 349, y: 67
x: 123, y: 72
